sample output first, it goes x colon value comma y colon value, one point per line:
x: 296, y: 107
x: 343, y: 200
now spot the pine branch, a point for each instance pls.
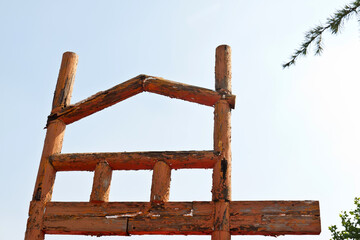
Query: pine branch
x: 333, y: 24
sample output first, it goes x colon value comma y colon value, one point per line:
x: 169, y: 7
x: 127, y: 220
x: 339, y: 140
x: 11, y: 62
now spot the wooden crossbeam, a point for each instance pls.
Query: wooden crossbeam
x: 181, y: 218
x: 134, y: 160
x: 136, y: 85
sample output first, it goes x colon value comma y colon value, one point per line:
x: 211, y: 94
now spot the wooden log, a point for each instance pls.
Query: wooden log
x: 185, y: 92
x: 123, y: 218
x: 275, y: 218
x: 182, y: 218
x: 221, y: 190
x: 221, y: 235
x: 222, y: 143
x: 222, y: 214
x: 95, y: 226
x: 99, y: 101
x: 134, y: 86
x: 65, y: 82
x: 222, y: 126
x: 134, y: 160
x: 101, y: 184
x: 52, y: 145
x: 160, y: 187
x: 223, y: 69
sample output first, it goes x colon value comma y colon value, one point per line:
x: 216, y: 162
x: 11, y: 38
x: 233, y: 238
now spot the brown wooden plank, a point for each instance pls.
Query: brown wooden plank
x: 53, y: 144
x: 134, y: 160
x: 275, y: 218
x: 185, y: 92
x: 139, y: 218
x: 99, y: 101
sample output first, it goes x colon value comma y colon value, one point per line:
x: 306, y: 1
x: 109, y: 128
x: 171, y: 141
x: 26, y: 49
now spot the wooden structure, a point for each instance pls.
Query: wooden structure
x: 219, y: 218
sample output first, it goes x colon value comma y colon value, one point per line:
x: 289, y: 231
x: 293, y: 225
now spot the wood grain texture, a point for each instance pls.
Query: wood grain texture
x: 223, y: 69
x: 185, y: 92
x: 65, y: 83
x: 134, y: 160
x: 135, y: 86
x: 275, y: 217
x: 182, y: 218
x: 101, y: 183
x: 52, y: 145
x: 221, y: 216
x: 221, y: 189
x: 160, y: 186
x: 222, y: 143
x: 221, y: 235
x: 99, y: 101
x: 114, y: 218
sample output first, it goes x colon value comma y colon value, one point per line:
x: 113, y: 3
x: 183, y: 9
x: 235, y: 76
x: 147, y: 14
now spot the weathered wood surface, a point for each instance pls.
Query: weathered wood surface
x: 221, y: 189
x: 65, y: 82
x: 160, y: 186
x: 223, y: 69
x: 222, y: 143
x: 185, y: 92
x: 221, y: 216
x: 101, y: 183
x: 125, y: 218
x: 134, y: 160
x: 52, y: 145
x: 99, y: 101
x: 181, y: 218
x: 137, y: 85
x: 275, y: 217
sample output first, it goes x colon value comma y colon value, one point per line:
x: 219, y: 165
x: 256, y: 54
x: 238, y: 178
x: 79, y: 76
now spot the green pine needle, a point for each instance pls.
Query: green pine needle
x: 333, y: 24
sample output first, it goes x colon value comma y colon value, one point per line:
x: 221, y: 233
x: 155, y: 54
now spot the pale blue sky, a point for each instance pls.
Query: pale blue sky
x: 295, y: 132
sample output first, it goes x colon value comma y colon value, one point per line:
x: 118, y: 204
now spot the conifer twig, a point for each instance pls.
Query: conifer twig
x: 333, y: 24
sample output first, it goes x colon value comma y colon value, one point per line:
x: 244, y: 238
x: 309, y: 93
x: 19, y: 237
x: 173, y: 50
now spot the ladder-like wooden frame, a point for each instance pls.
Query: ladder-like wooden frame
x: 219, y: 218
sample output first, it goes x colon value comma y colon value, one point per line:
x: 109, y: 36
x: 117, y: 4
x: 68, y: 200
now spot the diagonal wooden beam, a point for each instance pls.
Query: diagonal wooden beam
x: 99, y: 101
x: 136, y: 85
x: 134, y: 160
x: 185, y: 92
x: 180, y: 218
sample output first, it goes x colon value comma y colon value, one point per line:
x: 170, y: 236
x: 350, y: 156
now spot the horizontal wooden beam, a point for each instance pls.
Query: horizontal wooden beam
x: 127, y: 218
x: 134, y: 160
x: 135, y: 86
x: 275, y: 218
x: 181, y: 218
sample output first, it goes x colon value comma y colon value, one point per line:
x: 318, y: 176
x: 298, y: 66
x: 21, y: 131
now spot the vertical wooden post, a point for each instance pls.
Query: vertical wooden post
x: 160, y: 187
x: 52, y: 145
x: 221, y: 190
x: 101, y: 184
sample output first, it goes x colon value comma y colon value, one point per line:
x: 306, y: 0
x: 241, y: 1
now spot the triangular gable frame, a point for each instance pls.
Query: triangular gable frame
x: 134, y: 86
